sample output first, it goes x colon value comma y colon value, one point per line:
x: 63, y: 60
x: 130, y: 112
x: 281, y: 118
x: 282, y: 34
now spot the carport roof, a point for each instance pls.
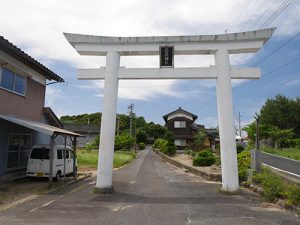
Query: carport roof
x: 40, y: 127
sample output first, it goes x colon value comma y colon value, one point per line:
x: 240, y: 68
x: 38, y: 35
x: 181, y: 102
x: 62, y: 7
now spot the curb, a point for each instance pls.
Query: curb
x: 68, y: 184
x: 190, y: 169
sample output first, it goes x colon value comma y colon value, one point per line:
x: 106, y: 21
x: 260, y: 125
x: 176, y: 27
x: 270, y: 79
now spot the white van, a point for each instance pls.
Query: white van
x: 38, y: 161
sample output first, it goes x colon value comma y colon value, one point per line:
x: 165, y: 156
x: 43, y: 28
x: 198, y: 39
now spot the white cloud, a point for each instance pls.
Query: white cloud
x: 294, y: 81
x: 38, y: 26
x: 52, y: 94
x: 139, y: 90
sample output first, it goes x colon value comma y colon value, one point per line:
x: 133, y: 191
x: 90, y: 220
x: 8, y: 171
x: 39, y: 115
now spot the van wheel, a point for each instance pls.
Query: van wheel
x: 58, y: 176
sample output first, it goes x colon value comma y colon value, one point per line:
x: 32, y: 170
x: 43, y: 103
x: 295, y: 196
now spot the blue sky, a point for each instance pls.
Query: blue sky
x: 39, y: 25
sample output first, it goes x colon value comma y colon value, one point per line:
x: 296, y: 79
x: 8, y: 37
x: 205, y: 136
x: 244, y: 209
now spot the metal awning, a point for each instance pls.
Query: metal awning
x: 40, y: 127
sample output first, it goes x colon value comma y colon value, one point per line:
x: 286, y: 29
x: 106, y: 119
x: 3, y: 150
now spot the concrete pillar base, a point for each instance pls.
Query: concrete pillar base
x: 230, y: 192
x: 106, y: 190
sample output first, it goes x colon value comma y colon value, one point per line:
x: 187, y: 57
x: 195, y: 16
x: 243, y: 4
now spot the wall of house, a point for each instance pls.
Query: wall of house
x: 29, y: 106
x: 180, y: 131
x: 11, y: 128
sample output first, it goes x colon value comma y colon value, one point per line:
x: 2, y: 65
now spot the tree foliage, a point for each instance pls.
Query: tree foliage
x: 200, y: 137
x: 94, y: 118
x: 282, y: 112
x: 124, y: 142
x: 279, y: 121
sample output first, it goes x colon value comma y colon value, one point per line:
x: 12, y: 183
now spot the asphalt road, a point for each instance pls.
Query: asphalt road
x: 292, y: 166
x: 147, y: 191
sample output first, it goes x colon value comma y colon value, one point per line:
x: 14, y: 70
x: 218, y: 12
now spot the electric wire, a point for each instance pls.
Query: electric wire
x: 277, y: 13
x: 255, y: 12
x: 240, y: 15
x: 277, y: 49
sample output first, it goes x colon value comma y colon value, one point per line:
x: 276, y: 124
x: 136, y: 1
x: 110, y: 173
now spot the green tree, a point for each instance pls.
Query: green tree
x: 282, y: 112
x: 281, y: 137
x: 124, y: 142
x: 141, y: 136
x: 200, y: 137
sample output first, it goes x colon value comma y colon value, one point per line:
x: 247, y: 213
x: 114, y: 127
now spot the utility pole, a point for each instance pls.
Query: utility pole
x: 240, y: 129
x: 255, y: 153
x: 118, y: 124
x: 257, y: 132
x: 130, y: 108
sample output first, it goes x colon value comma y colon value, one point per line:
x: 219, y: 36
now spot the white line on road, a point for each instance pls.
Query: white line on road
x: 284, y: 171
x: 280, y: 157
x: 44, y: 205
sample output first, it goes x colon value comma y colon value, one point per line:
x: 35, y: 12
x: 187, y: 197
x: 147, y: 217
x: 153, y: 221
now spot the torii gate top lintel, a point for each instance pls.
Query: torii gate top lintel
x: 184, y: 45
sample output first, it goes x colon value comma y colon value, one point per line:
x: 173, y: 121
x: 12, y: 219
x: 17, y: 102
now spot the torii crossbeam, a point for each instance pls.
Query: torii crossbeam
x: 218, y: 45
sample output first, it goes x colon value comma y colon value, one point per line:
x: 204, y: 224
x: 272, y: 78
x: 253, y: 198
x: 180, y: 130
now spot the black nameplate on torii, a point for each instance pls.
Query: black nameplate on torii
x: 166, y: 56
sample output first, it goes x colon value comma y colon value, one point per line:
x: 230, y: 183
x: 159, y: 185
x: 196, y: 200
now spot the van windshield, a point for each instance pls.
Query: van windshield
x: 40, y: 153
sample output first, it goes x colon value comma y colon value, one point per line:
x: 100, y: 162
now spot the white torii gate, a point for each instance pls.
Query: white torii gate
x: 219, y: 45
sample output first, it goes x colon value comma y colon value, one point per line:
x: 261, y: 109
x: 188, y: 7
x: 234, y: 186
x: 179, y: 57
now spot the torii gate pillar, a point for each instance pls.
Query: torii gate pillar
x: 219, y: 45
x: 108, y: 124
x: 226, y: 123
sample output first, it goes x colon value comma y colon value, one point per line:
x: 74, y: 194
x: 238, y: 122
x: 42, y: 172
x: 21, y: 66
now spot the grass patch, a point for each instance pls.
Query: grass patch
x: 123, y: 157
x: 292, y: 153
x: 89, y: 159
x: 275, y: 188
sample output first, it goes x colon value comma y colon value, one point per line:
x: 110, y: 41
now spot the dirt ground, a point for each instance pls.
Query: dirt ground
x: 187, y: 160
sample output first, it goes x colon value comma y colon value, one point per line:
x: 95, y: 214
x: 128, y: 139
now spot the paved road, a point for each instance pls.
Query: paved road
x: 147, y: 192
x: 292, y: 166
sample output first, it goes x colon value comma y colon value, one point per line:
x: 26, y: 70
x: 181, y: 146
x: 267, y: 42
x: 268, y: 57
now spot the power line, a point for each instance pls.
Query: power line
x: 277, y: 49
x: 244, y: 10
x: 277, y: 12
x: 259, y: 8
x: 262, y: 15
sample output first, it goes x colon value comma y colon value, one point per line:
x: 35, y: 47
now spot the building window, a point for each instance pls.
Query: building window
x: 59, y: 154
x: 179, y: 124
x: 12, y: 81
x: 18, y: 151
x: 180, y: 142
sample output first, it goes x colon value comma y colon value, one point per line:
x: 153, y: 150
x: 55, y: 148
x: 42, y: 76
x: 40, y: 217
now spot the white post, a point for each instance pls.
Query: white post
x: 230, y: 181
x: 108, y: 124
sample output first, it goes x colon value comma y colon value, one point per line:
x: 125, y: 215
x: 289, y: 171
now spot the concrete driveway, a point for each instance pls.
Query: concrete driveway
x: 147, y: 191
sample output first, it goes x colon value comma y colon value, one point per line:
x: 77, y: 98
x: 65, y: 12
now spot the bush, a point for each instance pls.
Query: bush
x: 141, y: 136
x: 295, y: 143
x: 170, y: 149
x: 204, y: 161
x: 187, y: 151
x: 124, y: 142
x: 166, y: 147
x: 293, y: 194
x: 244, y: 160
x: 158, y: 142
x: 142, y: 145
x: 205, y: 153
x: 273, y: 187
x: 240, y: 148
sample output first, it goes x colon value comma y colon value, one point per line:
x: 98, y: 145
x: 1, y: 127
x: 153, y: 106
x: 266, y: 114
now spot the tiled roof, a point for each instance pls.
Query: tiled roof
x: 180, y: 110
x: 20, y: 55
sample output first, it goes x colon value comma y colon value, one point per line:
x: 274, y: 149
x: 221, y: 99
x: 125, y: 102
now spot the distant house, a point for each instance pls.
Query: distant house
x: 88, y: 131
x: 182, y: 124
x: 24, y: 121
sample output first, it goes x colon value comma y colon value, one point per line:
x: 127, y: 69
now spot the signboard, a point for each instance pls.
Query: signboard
x: 166, y: 56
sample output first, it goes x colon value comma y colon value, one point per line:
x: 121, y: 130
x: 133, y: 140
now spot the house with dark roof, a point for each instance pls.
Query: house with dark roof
x: 24, y: 121
x: 182, y: 124
x: 88, y: 132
